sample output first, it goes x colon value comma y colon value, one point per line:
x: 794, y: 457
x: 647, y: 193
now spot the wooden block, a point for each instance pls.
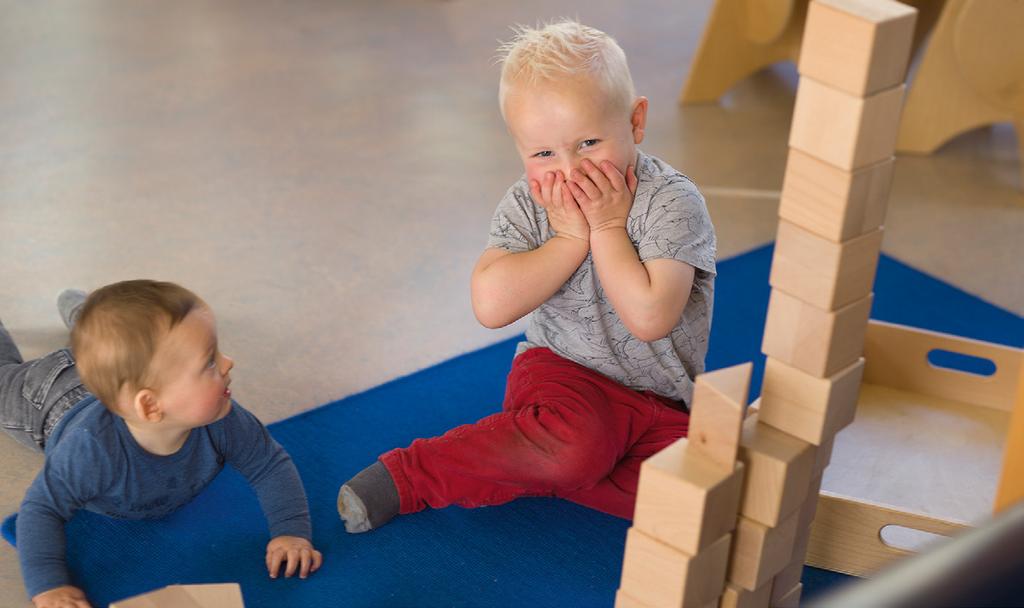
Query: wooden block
x: 217, y: 595
x: 625, y: 600
x: 822, y: 456
x: 791, y: 599
x: 759, y: 552
x: 858, y: 46
x: 684, y: 500
x: 826, y: 274
x: 777, y: 475
x: 790, y: 576
x: 805, y: 406
x: 785, y: 580
x: 809, y: 507
x: 738, y: 597
x: 719, y: 401
x: 659, y: 575
x: 836, y: 204
x: 816, y: 341
x: 844, y: 130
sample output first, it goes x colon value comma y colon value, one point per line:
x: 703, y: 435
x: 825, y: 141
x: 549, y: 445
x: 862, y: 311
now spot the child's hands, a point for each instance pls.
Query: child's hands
x: 564, y: 214
x: 603, y: 194
x: 297, y: 552
x: 61, y: 597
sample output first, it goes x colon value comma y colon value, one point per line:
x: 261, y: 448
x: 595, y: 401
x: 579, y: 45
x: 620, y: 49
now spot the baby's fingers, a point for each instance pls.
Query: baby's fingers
x: 274, y: 562
x: 309, y: 562
x: 557, y: 189
x: 535, y: 192
x: 293, y: 562
x: 613, y: 176
x: 631, y: 179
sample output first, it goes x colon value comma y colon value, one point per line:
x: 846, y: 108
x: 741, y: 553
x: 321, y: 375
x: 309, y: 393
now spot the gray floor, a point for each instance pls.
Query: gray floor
x: 323, y: 175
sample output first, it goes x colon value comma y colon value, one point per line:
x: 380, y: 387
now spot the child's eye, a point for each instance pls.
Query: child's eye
x: 587, y: 143
x: 544, y: 154
x: 212, y: 363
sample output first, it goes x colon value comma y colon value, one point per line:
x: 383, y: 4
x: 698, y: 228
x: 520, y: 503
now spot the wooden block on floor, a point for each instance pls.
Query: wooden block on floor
x: 719, y: 403
x: 759, y: 552
x: 786, y: 579
x: 659, y: 575
x: 806, y: 406
x: 791, y: 599
x: 844, y: 130
x: 778, y: 472
x: 858, y: 46
x: 625, y: 600
x: 816, y: 341
x: 789, y: 576
x: 738, y: 597
x: 686, y: 501
x: 836, y: 204
x: 826, y: 274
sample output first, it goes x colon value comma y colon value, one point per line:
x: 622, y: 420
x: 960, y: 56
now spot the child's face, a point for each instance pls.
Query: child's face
x: 193, y: 375
x: 556, y: 125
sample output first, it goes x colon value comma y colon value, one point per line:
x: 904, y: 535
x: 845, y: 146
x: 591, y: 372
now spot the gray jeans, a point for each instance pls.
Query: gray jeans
x: 35, y: 395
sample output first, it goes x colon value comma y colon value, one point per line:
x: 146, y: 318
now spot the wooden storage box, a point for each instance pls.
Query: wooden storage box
x: 924, y: 453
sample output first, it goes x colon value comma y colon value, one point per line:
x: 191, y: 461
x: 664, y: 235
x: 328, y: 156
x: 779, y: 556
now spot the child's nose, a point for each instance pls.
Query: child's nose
x: 568, y: 167
x: 227, y: 364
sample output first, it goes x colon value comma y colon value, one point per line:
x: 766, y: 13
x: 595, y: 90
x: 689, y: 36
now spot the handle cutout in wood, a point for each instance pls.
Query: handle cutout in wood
x: 903, y: 538
x: 941, y: 358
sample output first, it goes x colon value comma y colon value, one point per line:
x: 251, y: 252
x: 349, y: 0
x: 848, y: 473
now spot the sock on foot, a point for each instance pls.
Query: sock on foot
x: 69, y: 302
x: 369, y: 500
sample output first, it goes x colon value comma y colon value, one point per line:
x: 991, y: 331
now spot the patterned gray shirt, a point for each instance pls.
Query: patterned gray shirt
x: 668, y: 220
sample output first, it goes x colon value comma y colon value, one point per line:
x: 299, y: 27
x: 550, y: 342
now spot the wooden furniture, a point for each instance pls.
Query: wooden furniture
x: 924, y: 453
x: 971, y: 75
x: 971, y: 72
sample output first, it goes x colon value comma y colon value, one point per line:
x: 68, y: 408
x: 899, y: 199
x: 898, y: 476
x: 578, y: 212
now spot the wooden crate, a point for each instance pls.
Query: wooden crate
x: 924, y: 452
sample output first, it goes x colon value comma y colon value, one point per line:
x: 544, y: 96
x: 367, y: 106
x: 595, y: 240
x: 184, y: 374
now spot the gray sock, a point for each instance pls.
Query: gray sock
x: 369, y: 500
x: 69, y: 303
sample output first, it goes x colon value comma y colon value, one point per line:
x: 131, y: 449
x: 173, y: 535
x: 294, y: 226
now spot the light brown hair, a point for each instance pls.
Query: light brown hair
x: 118, y: 331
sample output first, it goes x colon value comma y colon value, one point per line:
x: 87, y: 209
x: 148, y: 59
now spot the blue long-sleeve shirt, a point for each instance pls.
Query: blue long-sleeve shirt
x: 94, y: 463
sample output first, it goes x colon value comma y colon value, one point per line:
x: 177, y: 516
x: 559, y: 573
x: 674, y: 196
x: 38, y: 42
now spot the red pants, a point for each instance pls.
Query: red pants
x: 565, y: 430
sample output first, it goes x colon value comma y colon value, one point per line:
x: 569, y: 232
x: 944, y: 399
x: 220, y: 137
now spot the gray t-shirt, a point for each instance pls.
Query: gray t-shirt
x: 668, y: 220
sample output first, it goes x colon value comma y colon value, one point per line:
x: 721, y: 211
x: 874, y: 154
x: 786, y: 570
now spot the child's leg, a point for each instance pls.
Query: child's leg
x: 564, y: 429
x: 616, y: 493
x: 34, y: 395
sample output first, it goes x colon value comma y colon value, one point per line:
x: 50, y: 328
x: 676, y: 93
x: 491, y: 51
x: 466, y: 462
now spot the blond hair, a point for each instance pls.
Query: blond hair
x: 565, y: 48
x: 118, y: 331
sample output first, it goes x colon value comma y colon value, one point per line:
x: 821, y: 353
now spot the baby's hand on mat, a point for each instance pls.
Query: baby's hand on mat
x: 603, y: 194
x: 296, y: 553
x: 61, y: 597
x: 564, y: 214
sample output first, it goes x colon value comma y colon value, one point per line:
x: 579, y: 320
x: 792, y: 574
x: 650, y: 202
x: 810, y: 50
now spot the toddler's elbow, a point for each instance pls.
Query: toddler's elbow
x: 649, y: 329
x: 488, y: 315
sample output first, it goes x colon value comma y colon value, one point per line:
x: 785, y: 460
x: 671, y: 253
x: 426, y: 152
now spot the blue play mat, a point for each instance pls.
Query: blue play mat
x: 532, y: 552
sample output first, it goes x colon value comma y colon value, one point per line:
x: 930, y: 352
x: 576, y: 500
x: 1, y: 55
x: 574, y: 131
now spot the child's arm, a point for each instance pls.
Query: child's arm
x: 650, y: 296
x: 41, y: 542
x: 61, y: 597
x: 506, y: 286
x: 249, y: 448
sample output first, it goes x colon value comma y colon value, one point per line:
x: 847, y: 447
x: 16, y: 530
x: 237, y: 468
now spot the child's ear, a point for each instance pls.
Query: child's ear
x: 638, y: 119
x: 146, y: 406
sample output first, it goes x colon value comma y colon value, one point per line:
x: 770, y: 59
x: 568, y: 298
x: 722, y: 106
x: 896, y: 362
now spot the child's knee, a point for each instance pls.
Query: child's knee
x: 579, y: 463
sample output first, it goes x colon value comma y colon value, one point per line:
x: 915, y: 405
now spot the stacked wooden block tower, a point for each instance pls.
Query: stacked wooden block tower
x: 723, y: 518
